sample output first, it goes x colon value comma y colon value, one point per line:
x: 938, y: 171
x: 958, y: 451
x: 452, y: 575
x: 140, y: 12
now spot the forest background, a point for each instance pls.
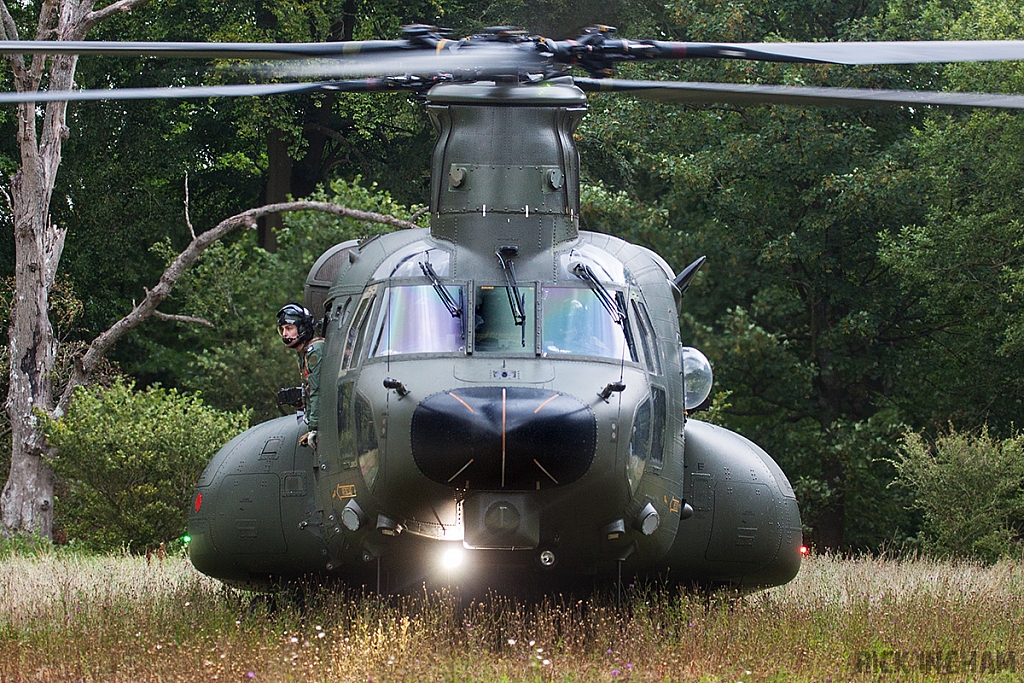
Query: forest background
x: 864, y: 293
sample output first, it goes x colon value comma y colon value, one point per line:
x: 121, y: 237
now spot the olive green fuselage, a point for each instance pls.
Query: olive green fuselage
x: 481, y: 392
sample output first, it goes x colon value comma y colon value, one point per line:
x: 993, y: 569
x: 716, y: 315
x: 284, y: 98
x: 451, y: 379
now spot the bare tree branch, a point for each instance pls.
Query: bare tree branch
x: 99, y: 15
x: 9, y: 31
x: 7, y: 196
x: 159, y: 315
x: 53, y: 247
x: 419, y: 212
x: 46, y: 26
x: 188, y: 220
x: 87, y: 363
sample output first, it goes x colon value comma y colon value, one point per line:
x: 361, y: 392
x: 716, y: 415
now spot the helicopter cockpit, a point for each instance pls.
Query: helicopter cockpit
x: 593, y: 309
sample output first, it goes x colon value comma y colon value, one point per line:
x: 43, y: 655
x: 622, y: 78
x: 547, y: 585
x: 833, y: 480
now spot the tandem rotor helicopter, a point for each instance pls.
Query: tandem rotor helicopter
x: 502, y: 386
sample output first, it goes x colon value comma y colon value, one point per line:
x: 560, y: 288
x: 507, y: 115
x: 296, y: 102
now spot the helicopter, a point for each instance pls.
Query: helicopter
x: 505, y: 398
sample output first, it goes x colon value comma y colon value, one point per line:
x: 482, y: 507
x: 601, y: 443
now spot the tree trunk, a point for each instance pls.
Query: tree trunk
x: 279, y: 186
x: 26, y: 504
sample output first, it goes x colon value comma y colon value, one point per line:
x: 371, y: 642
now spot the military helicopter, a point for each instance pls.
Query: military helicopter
x: 502, y: 388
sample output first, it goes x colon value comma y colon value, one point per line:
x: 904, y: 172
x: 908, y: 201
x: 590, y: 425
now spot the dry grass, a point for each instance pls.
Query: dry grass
x: 67, y: 617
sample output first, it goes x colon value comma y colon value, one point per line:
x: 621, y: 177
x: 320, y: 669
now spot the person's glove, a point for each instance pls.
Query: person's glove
x: 308, y: 439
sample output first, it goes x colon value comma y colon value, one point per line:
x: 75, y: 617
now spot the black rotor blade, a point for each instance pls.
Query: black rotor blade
x: 199, y: 92
x: 737, y: 93
x: 203, y: 50
x: 881, y: 52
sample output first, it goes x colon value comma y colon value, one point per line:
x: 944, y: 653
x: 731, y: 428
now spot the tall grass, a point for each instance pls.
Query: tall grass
x: 70, y: 617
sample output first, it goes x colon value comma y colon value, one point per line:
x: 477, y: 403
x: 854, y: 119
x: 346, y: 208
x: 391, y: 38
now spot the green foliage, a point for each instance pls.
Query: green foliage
x: 970, y: 490
x: 131, y: 460
x: 21, y: 545
x: 866, y: 267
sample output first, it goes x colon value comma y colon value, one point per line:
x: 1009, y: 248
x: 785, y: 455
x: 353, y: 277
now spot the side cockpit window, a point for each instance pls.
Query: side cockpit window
x: 357, y: 330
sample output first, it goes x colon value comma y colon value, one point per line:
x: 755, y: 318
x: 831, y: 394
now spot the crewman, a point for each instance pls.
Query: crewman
x: 297, y: 328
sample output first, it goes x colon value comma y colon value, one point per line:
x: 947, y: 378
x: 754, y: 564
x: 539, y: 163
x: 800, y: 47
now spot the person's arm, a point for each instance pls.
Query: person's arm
x: 314, y: 356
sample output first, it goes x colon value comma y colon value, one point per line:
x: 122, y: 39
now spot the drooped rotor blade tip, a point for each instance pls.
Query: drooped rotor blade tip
x: 196, y: 92
x: 746, y: 94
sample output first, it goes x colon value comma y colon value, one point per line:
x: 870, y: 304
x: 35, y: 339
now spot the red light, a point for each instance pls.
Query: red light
x: 804, y: 550
x: 199, y: 502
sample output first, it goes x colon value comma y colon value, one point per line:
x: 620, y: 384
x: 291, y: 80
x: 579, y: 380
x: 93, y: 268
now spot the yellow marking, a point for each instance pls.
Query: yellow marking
x: 440, y: 45
x: 544, y: 471
x: 545, y: 403
x: 463, y: 469
x: 468, y: 407
x: 675, y: 505
x: 344, y: 491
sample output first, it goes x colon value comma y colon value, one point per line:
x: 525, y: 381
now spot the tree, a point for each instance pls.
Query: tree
x: 964, y: 258
x: 805, y: 323
x: 26, y: 504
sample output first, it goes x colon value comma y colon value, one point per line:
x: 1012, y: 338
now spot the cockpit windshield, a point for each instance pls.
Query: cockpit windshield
x: 575, y: 322
x: 494, y: 322
x: 414, y: 319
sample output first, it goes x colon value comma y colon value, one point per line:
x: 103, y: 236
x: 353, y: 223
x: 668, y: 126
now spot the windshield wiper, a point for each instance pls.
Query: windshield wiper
x: 446, y: 298
x: 515, y: 299
x: 615, y: 308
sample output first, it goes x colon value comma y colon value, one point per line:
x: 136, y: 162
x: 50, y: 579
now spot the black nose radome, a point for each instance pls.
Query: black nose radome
x: 511, y: 438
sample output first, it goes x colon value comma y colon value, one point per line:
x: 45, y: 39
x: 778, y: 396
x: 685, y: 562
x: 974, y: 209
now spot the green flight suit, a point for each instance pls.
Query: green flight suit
x: 309, y: 366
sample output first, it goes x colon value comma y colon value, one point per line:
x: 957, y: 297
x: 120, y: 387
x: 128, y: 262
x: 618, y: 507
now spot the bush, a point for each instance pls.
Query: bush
x: 131, y: 460
x: 969, y: 491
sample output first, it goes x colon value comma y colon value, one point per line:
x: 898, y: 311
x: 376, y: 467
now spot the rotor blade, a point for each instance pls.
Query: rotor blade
x: 737, y: 93
x: 881, y: 52
x: 485, y: 59
x: 202, y: 50
x: 197, y: 92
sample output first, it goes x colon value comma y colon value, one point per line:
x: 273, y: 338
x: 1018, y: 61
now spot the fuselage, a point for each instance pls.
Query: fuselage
x: 501, y: 383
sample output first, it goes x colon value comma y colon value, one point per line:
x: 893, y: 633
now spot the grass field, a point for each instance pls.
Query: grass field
x: 73, y: 617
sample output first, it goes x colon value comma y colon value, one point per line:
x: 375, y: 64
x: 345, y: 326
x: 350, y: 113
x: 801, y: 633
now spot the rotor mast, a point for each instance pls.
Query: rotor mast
x: 505, y: 168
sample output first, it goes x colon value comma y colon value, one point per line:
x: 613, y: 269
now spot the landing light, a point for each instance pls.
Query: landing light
x: 804, y: 550
x: 697, y: 377
x: 452, y: 558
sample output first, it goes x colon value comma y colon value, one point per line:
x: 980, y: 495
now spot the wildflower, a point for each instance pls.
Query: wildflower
x: 615, y: 672
x: 511, y: 641
x: 546, y: 662
x: 250, y: 674
x: 294, y: 639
